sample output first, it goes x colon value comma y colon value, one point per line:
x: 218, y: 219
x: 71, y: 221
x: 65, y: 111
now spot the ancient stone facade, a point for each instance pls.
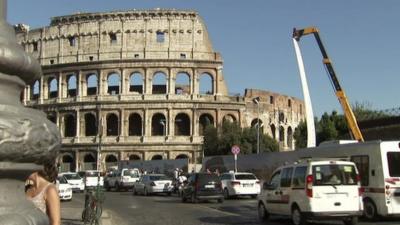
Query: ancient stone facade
x: 146, y: 82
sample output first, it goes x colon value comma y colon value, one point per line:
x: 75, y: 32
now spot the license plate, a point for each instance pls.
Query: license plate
x: 247, y: 185
x: 209, y: 186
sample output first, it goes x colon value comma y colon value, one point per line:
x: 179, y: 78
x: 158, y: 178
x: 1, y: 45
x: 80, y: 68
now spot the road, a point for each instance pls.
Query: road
x: 159, y: 209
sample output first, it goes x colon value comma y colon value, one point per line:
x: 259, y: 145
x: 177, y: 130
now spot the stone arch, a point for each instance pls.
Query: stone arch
x: 182, y: 125
x: 52, y: 85
x: 182, y: 83
x: 135, y: 125
x: 67, y: 163
x: 136, y: 83
x: 134, y: 157
x: 229, y: 118
x: 89, y: 161
x: 92, y: 84
x: 289, y: 137
x: 35, y: 90
x: 255, y: 122
x: 281, y: 134
x: 69, y: 125
x: 112, y: 124
x: 206, y: 84
x: 182, y: 156
x: 273, y: 131
x: 157, y: 157
x: 281, y: 117
x: 158, y: 125
x: 72, y: 84
x: 159, y: 85
x: 204, y: 121
x: 111, y: 161
x: 90, y: 124
x: 113, y: 83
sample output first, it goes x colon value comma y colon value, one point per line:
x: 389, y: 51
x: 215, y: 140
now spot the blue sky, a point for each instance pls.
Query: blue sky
x: 254, y: 38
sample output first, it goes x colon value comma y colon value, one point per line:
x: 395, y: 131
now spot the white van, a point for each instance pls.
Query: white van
x: 313, y: 190
x: 92, y: 179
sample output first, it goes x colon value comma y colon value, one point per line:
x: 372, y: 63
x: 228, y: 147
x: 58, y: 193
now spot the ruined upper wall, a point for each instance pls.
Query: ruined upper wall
x: 133, y: 34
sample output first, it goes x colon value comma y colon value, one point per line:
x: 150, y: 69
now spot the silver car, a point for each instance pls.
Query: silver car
x: 153, y: 183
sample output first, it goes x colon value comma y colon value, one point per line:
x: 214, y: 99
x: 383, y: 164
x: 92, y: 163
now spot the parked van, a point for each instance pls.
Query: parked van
x: 122, y: 179
x: 327, y: 189
x: 91, y: 179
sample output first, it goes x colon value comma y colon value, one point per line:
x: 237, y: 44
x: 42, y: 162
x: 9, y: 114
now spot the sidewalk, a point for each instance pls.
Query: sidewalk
x: 73, y: 216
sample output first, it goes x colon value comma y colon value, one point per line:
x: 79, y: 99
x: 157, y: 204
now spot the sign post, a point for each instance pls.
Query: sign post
x: 235, y: 151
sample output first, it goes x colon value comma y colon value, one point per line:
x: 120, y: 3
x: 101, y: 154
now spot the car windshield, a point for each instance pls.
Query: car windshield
x: 62, y: 180
x: 92, y: 173
x: 334, y: 174
x: 207, y: 178
x: 393, y: 159
x: 161, y: 177
x: 72, y: 176
x: 245, y: 177
x: 131, y: 173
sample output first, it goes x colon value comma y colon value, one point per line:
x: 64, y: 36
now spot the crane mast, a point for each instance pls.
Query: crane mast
x: 348, y: 112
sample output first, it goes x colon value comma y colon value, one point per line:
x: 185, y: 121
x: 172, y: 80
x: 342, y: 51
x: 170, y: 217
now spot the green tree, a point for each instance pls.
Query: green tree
x: 210, y: 144
x: 326, y: 129
x: 300, y: 135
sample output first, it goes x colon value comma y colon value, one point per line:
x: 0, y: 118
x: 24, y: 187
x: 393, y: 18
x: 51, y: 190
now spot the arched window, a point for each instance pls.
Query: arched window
x: 92, y: 84
x: 157, y: 157
x: 67, y: 163
x: 182, y: 84
x: 289, y: 137
x: 134, y: 157
x: 229, y: 118
x: 136, y: 83
x: 204, y: 121
x: 89, y: 162
x: 206, y: 84
x: 111, y: 161
x: 35, y: 89
x: 254, y: 124
x: 135, y: 125
x: 159, y: 83
x: 90, y: 125
x: 71, y: 85
x: 113, y: 82
x: 53, y: 87
x: 69, y: 126
x: 158, y: 125
x: 273, y: 131
x: 181, y: 156
x: 182, y: 125
x: 112, y: 125
x: 281, y: 134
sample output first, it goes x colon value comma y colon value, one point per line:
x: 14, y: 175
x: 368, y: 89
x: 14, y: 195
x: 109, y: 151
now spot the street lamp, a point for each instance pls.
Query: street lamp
x: 164, y: 124
x: 256, y: 100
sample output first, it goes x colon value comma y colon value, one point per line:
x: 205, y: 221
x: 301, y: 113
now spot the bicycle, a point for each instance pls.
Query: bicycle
x: 93, y: 207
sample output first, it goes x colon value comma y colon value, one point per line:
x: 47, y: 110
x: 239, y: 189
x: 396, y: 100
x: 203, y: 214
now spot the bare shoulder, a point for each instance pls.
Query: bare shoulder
x: 52, y: 191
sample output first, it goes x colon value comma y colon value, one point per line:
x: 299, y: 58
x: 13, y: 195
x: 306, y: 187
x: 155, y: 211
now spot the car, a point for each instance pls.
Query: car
x: 235, y: 184
x: 313, y: 189
x: 93, y: 178
x: 121, y: 179
x: 202, y: 186
x: 75, y: 181
x: 153, y: 183
x: 64, y: 188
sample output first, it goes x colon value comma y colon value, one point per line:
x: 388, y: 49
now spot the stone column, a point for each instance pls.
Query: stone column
x: 27, y: 137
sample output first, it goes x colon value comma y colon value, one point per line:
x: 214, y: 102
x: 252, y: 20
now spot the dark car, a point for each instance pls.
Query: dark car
x: 203, y: 186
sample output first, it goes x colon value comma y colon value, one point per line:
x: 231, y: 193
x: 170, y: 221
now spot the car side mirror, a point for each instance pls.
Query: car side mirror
x: 268, y: 186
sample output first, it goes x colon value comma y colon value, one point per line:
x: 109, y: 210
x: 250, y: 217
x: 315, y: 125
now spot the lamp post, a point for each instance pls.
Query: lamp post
x: 256, y: 100
x: 164, y: 124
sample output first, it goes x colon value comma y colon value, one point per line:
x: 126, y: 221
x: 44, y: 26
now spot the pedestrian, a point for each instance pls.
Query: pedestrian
x: 43, y: 193
x: 217, y: 171
x: 208, y: 171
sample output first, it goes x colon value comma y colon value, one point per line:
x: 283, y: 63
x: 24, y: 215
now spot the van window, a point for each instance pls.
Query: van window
x: 393, y: 159
x: 362, y: 163
x: 334, y: 174
x: 275, y: 180
x: 299, y: 177
x: 245, y: 177
x: 131, y: 173
x: 286, y: 177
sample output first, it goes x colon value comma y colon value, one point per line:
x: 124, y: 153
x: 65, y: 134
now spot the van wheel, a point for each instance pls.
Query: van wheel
x: 370, y: 212
x: 351, y: 220
x: 263, y: 214
x: 226, y: 193
x: 298, y: 217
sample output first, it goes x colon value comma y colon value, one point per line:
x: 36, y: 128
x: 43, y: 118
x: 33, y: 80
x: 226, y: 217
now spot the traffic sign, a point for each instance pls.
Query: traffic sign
x: 235, y: 149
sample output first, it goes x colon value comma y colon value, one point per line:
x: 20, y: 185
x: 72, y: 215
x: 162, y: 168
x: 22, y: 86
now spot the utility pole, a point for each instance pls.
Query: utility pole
x: 256, y: 100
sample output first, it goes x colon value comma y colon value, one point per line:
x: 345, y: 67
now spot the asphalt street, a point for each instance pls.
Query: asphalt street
x: 169, y: 210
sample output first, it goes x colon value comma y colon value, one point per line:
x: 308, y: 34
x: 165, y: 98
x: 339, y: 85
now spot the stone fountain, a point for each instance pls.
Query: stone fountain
x: 27, y: 138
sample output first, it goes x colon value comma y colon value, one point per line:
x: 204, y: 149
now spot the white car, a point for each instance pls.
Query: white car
x: 153, y: 183
x: 91, y: 179
x: 75, y: 181
x: 235, y: 184
x: 313, y: 190
x: 64, y: 188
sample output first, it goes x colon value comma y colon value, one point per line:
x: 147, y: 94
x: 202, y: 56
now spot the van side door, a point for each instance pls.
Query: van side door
x: 272, y: 196
x: 285, y: 191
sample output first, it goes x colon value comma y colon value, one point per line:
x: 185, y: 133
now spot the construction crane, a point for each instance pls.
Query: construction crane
x: 348, y: 112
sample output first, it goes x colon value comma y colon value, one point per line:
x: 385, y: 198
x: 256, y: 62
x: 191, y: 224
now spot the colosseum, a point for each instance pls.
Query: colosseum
x: 140, y: 85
